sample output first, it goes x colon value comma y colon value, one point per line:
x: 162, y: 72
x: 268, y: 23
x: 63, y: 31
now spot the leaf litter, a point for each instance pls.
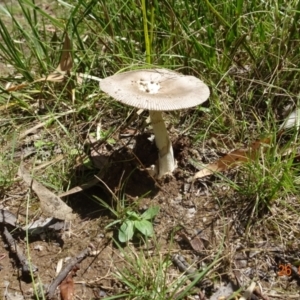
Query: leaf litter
x: 51, y: 205
x: 175, y: 210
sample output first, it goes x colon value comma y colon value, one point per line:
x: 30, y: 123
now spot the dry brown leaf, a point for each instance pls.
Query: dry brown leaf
x: 32, y: 130
x: 67, y: 288
x: 51, y: 204
x: 49, y: 163
x: 53, y: 77
x: 233, y: 159
x: 17, y: 87
x: 78, y: 189
x: 66, y: 62
x: 65, y: 65
x: 196, y: 243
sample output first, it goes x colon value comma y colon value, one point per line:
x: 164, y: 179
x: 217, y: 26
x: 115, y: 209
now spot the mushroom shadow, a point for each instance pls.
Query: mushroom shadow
x: 122, y: 169
x: 127, y: 174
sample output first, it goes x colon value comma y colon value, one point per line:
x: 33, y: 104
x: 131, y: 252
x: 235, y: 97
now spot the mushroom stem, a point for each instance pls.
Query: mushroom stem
x: 166, y: 160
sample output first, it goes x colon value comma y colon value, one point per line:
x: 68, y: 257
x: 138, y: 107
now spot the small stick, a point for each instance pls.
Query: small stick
x: 64, y: 272
x: 183, y: 266
x: 26, y: 266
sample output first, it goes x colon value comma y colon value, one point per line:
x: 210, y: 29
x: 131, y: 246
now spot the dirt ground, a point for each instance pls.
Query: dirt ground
x: 200, y: 221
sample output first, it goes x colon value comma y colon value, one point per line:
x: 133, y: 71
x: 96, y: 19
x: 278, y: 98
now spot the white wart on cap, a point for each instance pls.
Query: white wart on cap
x: 157, y: 90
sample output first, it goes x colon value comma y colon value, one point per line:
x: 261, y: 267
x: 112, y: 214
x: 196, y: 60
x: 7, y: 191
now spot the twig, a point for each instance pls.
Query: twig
x: 26, y: 266
x: 183, y: 266
x: 64, y: 272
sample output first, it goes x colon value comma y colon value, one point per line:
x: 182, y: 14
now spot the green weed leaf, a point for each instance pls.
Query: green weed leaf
x: 126, y: 231
x: 145, y: 227
x: 150, y: 213
x: 112, y: 224
x: 133, y: 215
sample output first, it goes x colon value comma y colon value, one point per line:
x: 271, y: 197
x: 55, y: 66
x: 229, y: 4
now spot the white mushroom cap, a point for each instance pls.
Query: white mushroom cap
x: 156, y: 89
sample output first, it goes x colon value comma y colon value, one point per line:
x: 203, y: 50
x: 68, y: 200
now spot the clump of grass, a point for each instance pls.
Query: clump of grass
x: 7, y: 173
x: 147, y: 278
x: 154, y: 278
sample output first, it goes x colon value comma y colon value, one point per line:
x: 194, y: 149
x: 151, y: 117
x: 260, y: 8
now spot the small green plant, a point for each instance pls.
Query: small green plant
x: 132, y: 223
x: 148, y: 279
x: 135, y: 223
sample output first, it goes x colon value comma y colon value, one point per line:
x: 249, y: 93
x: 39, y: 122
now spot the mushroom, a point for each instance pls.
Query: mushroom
x: 157, y: 90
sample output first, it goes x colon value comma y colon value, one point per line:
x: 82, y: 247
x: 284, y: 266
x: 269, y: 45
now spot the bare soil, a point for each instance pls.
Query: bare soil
x: 201, y: 221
